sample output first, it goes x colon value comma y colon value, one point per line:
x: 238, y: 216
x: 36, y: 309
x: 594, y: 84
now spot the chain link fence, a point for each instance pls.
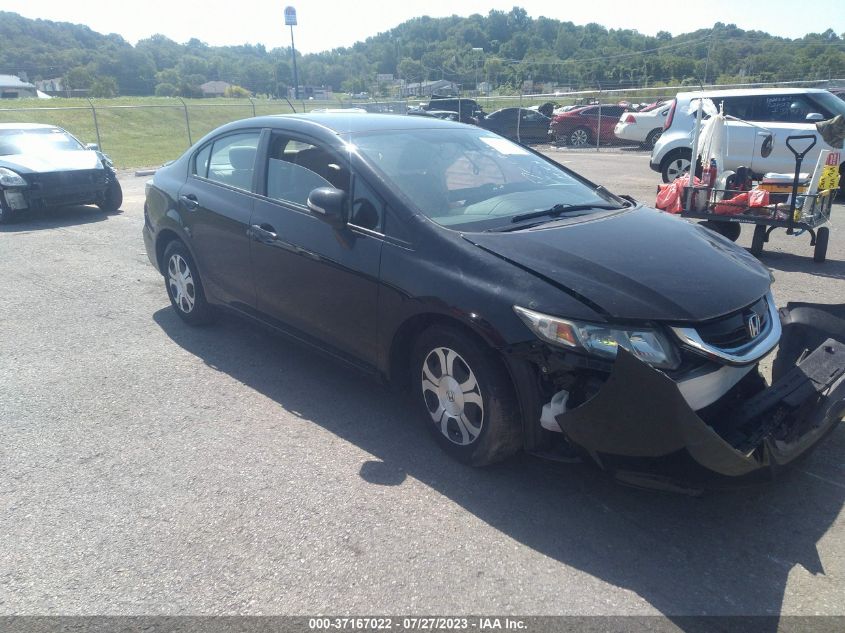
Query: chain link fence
x: 148, y: 131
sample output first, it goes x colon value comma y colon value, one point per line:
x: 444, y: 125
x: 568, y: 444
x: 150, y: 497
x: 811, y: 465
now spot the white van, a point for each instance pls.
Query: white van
x: 783, y: 111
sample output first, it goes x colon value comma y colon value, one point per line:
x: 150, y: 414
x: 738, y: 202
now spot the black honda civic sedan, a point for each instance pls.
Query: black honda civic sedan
x: 522, y: 305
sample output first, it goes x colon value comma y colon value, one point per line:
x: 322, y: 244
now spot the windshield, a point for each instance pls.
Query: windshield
x: 474, y: 180
x: 830, y: 102
x: 38, y: 140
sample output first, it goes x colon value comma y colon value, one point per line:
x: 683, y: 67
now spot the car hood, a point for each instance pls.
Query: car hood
x: 51, y: 161
x: 638, y: 264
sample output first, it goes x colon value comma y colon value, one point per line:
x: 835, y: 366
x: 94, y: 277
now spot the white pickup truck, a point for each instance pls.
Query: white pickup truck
x: 782, y: 111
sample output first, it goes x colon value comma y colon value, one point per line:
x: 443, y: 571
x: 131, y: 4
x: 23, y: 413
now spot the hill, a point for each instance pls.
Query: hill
x: 515, y: 47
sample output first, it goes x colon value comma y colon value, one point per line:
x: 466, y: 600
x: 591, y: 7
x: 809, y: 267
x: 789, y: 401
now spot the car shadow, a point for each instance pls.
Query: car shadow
x: 803, y: 263
x: 726, y: 553
x: 40, y: 219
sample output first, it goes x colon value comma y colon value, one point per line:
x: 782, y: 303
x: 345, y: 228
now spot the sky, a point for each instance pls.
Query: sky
x: 326, y: 24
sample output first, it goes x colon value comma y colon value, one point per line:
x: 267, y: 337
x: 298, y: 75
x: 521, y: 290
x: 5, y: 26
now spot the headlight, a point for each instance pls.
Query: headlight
x: 650, y: 346
x: 9, y: 178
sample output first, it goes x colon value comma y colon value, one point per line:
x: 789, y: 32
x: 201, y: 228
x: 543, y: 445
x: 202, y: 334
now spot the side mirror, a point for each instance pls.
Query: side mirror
x: 767, y: 146
x: 328, y: 204
x: 814, y: 116
x: 92, y: 146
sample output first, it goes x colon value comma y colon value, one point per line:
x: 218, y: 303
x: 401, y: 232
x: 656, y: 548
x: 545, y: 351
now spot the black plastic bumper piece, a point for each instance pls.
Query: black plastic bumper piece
x: 640, y: 423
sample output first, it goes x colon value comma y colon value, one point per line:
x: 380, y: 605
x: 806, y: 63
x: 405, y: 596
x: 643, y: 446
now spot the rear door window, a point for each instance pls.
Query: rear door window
x: 200, y: 166
x: 232, y: 160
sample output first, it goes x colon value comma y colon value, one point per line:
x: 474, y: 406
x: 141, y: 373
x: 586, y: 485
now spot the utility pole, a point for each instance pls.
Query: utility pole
x: 478, y: 53
x: 709, y: 50
x: 290, y: 20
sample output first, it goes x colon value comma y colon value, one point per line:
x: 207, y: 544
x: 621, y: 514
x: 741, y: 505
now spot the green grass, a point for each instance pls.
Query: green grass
x: 143, y: 136
x: 153, y: 131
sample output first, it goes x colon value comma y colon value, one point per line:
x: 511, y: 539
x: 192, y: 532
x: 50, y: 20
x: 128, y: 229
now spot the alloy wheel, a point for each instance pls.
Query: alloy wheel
x: 181, y: 283
x: 579, y: 138
x: 452, y: 396
x: 677, y: 167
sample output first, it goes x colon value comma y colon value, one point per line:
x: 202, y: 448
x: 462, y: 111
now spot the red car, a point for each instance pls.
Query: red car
x: 580, y: 126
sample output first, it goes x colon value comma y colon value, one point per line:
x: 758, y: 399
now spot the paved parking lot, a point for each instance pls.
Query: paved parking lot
x: 146, y: 467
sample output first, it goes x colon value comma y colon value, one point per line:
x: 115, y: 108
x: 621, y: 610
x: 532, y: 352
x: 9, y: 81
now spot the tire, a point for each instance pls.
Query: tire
x: 465, y: 396
x: 730, y: 230
x: 820, y: 251
x: 7, y: 216
x: 758, y: 240
x: 675, y: 164
x: 579, y: 137
x: 113, y: 198
x: 651, y: 139
x: 184, y: 286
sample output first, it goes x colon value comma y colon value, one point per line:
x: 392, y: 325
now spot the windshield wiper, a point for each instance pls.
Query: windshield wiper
x: 559, y: 209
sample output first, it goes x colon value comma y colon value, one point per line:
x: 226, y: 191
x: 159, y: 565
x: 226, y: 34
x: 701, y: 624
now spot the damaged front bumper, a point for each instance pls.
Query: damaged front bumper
x: 640, y: 426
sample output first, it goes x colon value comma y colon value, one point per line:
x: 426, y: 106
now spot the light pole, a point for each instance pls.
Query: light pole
x: 479, y: 52
x: 290, y: 20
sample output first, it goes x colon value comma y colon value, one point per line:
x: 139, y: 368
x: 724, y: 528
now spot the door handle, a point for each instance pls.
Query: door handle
x: 263, y: 232
x: 190, y: 201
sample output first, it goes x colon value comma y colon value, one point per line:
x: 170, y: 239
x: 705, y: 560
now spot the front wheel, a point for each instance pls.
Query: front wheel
x: 113, y: 197
x: 730, y: 230
x: 759, y: 240
x: 820, y: 251
x: 7, y: 216
x: 466, y: 396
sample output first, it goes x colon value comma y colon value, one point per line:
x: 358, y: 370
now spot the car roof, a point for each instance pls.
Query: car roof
x: 746, y: 92
x: 28, y: 126
x: 358, y: 122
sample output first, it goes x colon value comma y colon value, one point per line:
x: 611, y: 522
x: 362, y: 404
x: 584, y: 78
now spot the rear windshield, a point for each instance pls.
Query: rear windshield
x: 36, y: 140
x: 469, y: 179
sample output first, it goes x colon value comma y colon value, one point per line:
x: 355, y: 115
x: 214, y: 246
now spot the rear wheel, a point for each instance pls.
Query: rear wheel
x: 467, y: 399
x: 677, y: 163
x: 184, y: 286
x: 579, y: 137
x: 651, y: 139
x: 820, y: 251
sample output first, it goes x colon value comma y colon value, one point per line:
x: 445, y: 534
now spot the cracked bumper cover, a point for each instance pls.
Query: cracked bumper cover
x: 640, y: 422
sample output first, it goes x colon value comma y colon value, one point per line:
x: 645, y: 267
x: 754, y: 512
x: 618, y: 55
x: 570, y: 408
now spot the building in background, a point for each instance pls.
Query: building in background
x: 214, y: 88
x: 11, y: 87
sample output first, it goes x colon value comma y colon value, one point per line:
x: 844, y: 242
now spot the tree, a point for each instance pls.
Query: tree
x: 103, y: 88
x: 236, y: 92
x: 78, y: 78
x: 166, y: 90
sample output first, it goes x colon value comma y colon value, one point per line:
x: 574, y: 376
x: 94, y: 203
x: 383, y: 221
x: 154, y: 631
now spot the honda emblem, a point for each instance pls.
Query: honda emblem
x: 752, y: 325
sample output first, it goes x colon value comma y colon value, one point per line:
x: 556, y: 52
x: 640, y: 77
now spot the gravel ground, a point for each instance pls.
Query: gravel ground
x: 150, y: 468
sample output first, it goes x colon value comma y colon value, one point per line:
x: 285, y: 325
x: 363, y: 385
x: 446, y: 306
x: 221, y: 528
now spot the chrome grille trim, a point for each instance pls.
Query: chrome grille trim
x: 745, y: 354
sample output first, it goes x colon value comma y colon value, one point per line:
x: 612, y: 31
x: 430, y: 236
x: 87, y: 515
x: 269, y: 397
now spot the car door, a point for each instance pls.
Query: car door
x: 312, y: 279
x: 609, y: 118
x: 509, y: 123
x: 742, y: 140
x: 215, y: 205
x: 533, y: 125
